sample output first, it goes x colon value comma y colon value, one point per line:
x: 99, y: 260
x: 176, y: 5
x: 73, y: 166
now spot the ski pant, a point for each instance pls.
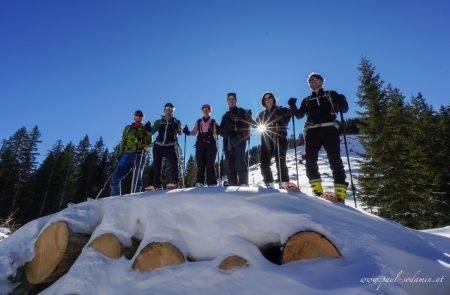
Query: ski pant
x: 269, y: 148
x: 127, y: 162
x: 205, y: 156
x: 237, y: 173
x: 171, y: 153
x: 328, y: 137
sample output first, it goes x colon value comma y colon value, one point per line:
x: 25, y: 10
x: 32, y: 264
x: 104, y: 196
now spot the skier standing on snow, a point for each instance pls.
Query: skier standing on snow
x: 322, y: 129
x: 235, y: 130
x: 136, y: 140
x: 166, y: 145
x: 206, y: 130
x: 275, y: 120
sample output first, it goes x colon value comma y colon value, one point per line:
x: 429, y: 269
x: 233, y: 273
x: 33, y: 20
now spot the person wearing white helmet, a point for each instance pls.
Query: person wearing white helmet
x: 322, y: 130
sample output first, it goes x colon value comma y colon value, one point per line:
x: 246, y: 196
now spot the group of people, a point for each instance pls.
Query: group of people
x: 321, y: 130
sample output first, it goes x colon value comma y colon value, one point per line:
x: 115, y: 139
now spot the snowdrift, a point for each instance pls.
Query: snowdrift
x: 209, y: 225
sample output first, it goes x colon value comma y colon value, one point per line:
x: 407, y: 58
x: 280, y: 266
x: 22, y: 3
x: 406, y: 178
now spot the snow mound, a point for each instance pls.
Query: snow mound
x: 209, y: 224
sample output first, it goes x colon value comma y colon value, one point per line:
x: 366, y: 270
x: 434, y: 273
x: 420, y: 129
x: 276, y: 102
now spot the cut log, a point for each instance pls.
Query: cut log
x: 56, y: 249
x: 156, y: 255
x: 233, y: 262
x: 107, y: 244
x: 308, y: 245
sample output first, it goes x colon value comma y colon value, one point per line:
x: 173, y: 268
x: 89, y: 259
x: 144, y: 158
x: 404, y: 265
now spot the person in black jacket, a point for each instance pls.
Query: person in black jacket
x: 166, y: 145
x: 273, y: 123
x: 235, y: 130
x: 322, y: 129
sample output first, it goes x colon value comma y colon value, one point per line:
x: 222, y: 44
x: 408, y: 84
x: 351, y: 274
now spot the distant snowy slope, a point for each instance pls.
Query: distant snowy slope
x: 208, y: 224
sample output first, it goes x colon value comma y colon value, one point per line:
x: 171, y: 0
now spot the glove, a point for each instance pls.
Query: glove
x: 291, y: 102
x: 336, y: 108
x: 148, y: 126
x: 186, y: 130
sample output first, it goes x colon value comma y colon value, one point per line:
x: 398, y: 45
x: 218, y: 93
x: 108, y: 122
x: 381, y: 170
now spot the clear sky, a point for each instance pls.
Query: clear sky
x: 76, y: 67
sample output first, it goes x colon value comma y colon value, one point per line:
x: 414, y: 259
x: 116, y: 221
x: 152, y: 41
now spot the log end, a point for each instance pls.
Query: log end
x: 107, y: 244
x: 157, y: 255
x: 49, y: 248
x: 308, y: 245
x: 232, y: 263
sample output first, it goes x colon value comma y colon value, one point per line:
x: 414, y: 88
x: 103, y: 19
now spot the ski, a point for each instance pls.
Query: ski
x: 330, y: 196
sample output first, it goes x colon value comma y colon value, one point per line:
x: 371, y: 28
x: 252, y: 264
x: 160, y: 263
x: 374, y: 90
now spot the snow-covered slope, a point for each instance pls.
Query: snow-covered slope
x: 209, y: 224
x: 326, y: 174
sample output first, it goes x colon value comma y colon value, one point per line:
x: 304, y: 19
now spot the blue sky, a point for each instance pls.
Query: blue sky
x: 83, y: 67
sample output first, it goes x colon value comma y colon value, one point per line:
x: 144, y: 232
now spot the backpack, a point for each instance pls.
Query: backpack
x: 207, y: 136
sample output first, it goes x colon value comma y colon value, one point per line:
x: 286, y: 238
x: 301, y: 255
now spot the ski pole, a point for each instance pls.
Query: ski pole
x: 139, y: 171
x: 295, y: 148
x: 348, y: 157
x: 104, y: 185
x: 218, y: 156
x: 248, y: 157
x: 278, y: 152
x: 221, y: 162
x: 184, y: 158
x: 106, y: 181
x: 134, y: 172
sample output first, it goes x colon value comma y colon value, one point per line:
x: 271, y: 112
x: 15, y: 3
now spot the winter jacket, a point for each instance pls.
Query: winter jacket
x: 322, y: 107
x: 168, y: 130
x: 135, y: 138
x: 275, y: 120
x: 235, y: 123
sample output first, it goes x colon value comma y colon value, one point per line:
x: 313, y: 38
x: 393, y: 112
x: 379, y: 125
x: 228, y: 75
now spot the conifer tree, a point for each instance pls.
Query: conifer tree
x: 191, y: 172
x: 371, y: 100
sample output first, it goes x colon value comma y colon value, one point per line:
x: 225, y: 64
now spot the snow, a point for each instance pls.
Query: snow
x: 354, y: 148
x: 4, y: 233
x: 209, y: 224
x: 443, y: 231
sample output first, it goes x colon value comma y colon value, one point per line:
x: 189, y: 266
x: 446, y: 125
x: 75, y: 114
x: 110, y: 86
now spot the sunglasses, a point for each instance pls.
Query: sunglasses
x: 138, y: 115
x: 314, y: 79
x: 205, y: 109
x: 268, y: 97
x: 169, y: 108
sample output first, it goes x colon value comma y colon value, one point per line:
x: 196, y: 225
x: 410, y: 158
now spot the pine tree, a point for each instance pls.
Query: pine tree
x: 17, y: 169
x: 371, y: 99
x: 191, y: 172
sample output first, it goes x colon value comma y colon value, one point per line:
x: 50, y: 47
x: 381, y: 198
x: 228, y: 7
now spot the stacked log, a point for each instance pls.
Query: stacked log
x: 56, y: 249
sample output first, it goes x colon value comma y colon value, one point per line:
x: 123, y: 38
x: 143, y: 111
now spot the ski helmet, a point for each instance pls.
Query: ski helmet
x: 169, y: 106
x: 273, y: 98
x: 315, y: 75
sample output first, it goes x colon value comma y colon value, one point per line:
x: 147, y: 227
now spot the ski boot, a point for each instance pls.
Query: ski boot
x: 316, y: 187
x: 340, y: 191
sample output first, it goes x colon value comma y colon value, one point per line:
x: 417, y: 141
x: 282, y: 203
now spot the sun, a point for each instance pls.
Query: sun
x: 261, y: 128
